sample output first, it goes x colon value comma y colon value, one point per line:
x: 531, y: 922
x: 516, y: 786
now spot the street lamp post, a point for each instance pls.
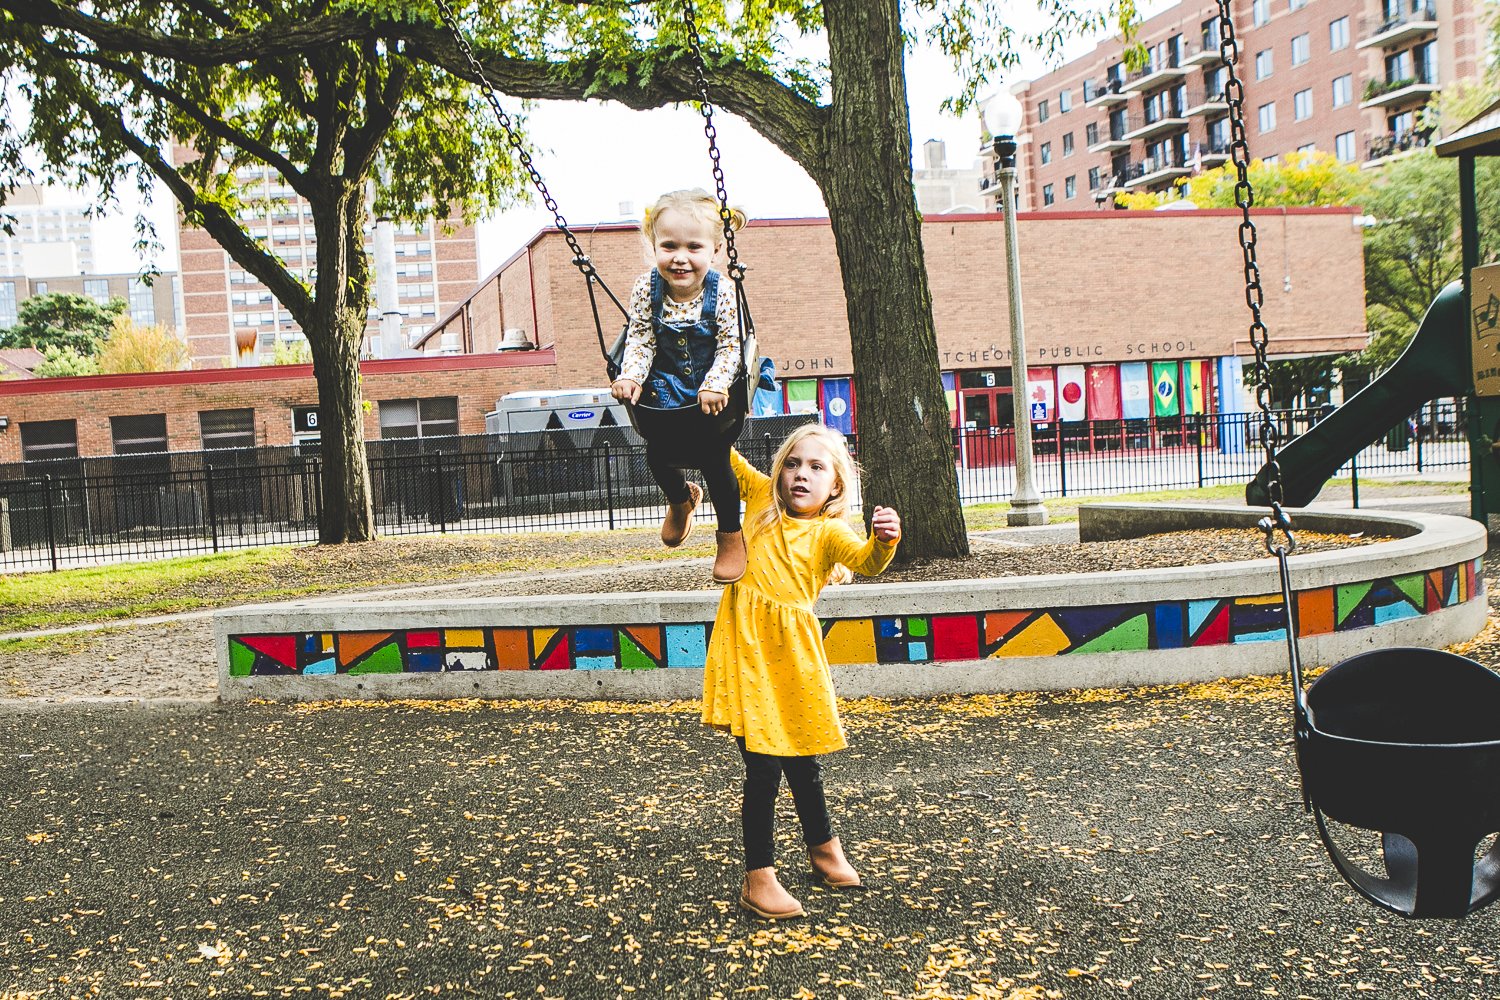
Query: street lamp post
x: 1002, y: 115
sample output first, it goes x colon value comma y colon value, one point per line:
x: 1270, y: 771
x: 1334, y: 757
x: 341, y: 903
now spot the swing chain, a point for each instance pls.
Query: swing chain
x: 580, y: 259
x: 706, y: 108
x: 1244, y: 198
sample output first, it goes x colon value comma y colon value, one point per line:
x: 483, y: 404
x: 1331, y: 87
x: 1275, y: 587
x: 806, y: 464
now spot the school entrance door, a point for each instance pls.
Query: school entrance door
x: 987, y: 436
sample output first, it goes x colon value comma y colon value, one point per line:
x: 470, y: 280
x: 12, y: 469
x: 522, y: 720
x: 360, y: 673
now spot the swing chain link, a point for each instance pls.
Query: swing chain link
x: 1244, y: 199
x: 580, y: 259
x: 706, y: 108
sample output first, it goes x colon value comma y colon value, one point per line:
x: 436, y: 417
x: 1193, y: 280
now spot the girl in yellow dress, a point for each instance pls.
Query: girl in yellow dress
x: 767, y: 681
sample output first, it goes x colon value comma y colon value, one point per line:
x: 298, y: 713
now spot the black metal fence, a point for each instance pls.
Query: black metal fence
x: 74, y: 512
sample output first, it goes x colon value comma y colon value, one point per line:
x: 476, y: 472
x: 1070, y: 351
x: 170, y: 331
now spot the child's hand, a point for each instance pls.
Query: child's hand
x: 625, y: 390
x: 712, y: 402
x: 886, y: 524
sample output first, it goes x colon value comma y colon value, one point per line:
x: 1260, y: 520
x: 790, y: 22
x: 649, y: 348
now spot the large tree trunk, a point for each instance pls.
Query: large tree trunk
x: 905, y: 438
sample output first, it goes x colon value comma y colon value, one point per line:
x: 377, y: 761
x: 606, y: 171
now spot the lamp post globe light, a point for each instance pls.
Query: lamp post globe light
x: 1002, y: 116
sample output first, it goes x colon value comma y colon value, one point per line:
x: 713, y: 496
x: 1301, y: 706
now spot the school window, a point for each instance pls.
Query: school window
x: 8, y: 315
x: 1260, y: 12
x: 1302, y: 105
x: 1064, y: 102
x: 1343, y: 147
x: 1093, y: 178
x: 1042, y: 114
x: 96, y: 289
x: 435, y: 416
x: 1263, y: 63
x: 1046, y: 153
x: 1070, y: 186
x: 1048, y: 197
x: 1068, y: 144
x: 1301, y: 49
x: 44, y: 439
x: 142, y: 303
x: 1343, y: 90
x: 227, y: 428
x: 1338, y: 33
x: 139, y: 434
x: 1091, y: 133
x: 1268, y: 117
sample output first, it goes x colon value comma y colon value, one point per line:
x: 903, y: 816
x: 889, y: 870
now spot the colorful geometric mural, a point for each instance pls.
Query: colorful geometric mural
x: 895, y: 639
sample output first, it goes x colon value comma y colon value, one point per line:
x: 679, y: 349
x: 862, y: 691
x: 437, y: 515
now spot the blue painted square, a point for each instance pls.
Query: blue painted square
x: 917, y: 651
x: 321, y: 667
x: 889, y: 650
x: 593, y: 662
x: 1395, y: 612
x: 889, y: 628
x: 593, y: 640
x: 424, y: 661
x: 310, y: 643
x: 687, y: 645
x: 1169, y: 631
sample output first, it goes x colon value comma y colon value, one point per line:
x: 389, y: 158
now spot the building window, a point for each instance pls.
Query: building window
x: 7, y: 304
x: 1093, y: 178
x: 1303, y: 152
x: 1046, y: 153
x: 1268, y: 117
x: 1218, y: 136
x: 436, y: 416
x: 139, y: 434
x: 1263, y: 64
x: 1048, y: 196
x: 39, y: 288
x: 142, y: 303
x: 1042, y: 114
x: 1343, y: 147
x: 1091, y: 134
x: 1296, y: 4
x: 227, y: 428
x: 1070, y: 186
x: 47, y: 439
x: 1302, y: 105
x: 1068, y: 144
x: 1424, y: 58
x: 1301, y: 49
x: 1401, y: 124
x: 1343, y: 90
x: 96, y: 289
x: 1214, y: 82
x: 1260, y: 12
x: 1338, y: 33
x: 1210, y: 33
x: 1398, y: 67
x: 1064, y: 102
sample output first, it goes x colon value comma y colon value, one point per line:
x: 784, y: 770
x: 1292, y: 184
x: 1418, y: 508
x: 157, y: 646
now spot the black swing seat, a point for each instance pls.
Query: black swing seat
x: 1406, y: 742
x: 683, y: 432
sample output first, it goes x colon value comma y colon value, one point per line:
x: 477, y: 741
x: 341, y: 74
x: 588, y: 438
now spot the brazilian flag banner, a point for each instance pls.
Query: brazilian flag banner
x: 1164, y: 388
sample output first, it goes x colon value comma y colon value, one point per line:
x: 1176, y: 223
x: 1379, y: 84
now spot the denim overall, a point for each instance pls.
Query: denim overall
x: 684, y: 352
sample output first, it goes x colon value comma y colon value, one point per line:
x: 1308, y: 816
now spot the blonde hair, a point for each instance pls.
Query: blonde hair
x: 845, y: 476
x: 695, y: 202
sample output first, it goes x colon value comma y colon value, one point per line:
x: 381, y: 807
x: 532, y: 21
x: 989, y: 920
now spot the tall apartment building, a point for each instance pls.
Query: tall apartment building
x: 1348, y: 77
x: 431, y: 271
x: 47, y: 237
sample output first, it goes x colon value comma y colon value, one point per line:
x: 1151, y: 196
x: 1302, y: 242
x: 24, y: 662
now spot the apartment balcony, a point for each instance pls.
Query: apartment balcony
x: 1155, y: 170
x: 1403, y: 27
x: 1105, y: 94
x: 1171, y: 119
x: 1154, y: 76
x: 1394, y: 145
x: 1203, y: 54
x: 1407, y: 90
x: 1116, y: 140
x: 1211, y: 154
x: 1206, y: 104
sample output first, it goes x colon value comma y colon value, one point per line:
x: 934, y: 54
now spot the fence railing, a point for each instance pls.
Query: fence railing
x: 73, y: 512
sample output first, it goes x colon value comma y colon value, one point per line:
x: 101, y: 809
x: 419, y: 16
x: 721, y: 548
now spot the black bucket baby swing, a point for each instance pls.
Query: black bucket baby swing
x: 681, y: 431
x: 1402, y: 741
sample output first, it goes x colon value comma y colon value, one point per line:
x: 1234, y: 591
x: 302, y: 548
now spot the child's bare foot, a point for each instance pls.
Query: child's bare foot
x: 831, y: 867
x: 729, y: 565
x: 678, y: 524
x: 765, y: 897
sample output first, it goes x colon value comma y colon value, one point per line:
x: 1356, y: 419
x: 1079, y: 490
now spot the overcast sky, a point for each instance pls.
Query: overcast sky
x: 604, y: 162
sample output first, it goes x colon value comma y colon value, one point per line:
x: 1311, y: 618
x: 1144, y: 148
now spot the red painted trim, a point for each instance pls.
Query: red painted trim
x: 275, y: 373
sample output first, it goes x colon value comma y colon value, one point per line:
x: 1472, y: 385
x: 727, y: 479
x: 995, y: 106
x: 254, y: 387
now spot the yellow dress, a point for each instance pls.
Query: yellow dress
x: 766, y: 677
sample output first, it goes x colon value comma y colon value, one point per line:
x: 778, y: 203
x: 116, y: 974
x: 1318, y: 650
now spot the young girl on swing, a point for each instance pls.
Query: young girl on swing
x: 683, y: 347
x: 767, y: 681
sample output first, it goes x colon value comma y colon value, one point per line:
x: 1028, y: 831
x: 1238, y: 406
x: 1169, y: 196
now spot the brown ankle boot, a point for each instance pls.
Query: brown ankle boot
x: 678, y: 524
x: 729, y: 565
x: 765, y: 897
x: 831, y: 867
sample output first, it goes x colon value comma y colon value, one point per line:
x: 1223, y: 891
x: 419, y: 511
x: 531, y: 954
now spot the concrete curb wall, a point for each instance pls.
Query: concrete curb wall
x: 1422, y: 588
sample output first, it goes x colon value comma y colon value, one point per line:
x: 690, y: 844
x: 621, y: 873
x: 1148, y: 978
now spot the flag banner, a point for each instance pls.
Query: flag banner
x: 802, y: 395
x: 1072, y: 402
x: 1164, y: 388
x: 1104, y: 392
x: 1135, y: 390
x: 838, y: 406
x: 950, y: 393
x: 1039, y: 395
x: 1192, y: 387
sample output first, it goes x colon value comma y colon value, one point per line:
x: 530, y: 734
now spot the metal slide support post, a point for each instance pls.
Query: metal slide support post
x: 1481, y: 462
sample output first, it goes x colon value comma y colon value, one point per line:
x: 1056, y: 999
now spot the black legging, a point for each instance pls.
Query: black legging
x: 718, y: 476
x: 758, y: 814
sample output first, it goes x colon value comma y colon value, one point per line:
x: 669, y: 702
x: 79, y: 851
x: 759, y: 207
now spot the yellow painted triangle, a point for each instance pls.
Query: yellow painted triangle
x: 1042, y: 637
x: 539, y: 639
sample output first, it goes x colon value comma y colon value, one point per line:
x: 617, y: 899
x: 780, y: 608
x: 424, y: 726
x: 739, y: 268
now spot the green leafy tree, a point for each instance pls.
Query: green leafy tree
x: 346, y: 118
x: 60, y: 359
x: 134, y: 347
x: 297, y: 353
x: 1314, y: 178
x: 62, y: 319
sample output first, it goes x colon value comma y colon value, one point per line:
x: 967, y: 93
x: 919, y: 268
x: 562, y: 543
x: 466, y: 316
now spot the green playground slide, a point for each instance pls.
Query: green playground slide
x: 1435, y: 364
